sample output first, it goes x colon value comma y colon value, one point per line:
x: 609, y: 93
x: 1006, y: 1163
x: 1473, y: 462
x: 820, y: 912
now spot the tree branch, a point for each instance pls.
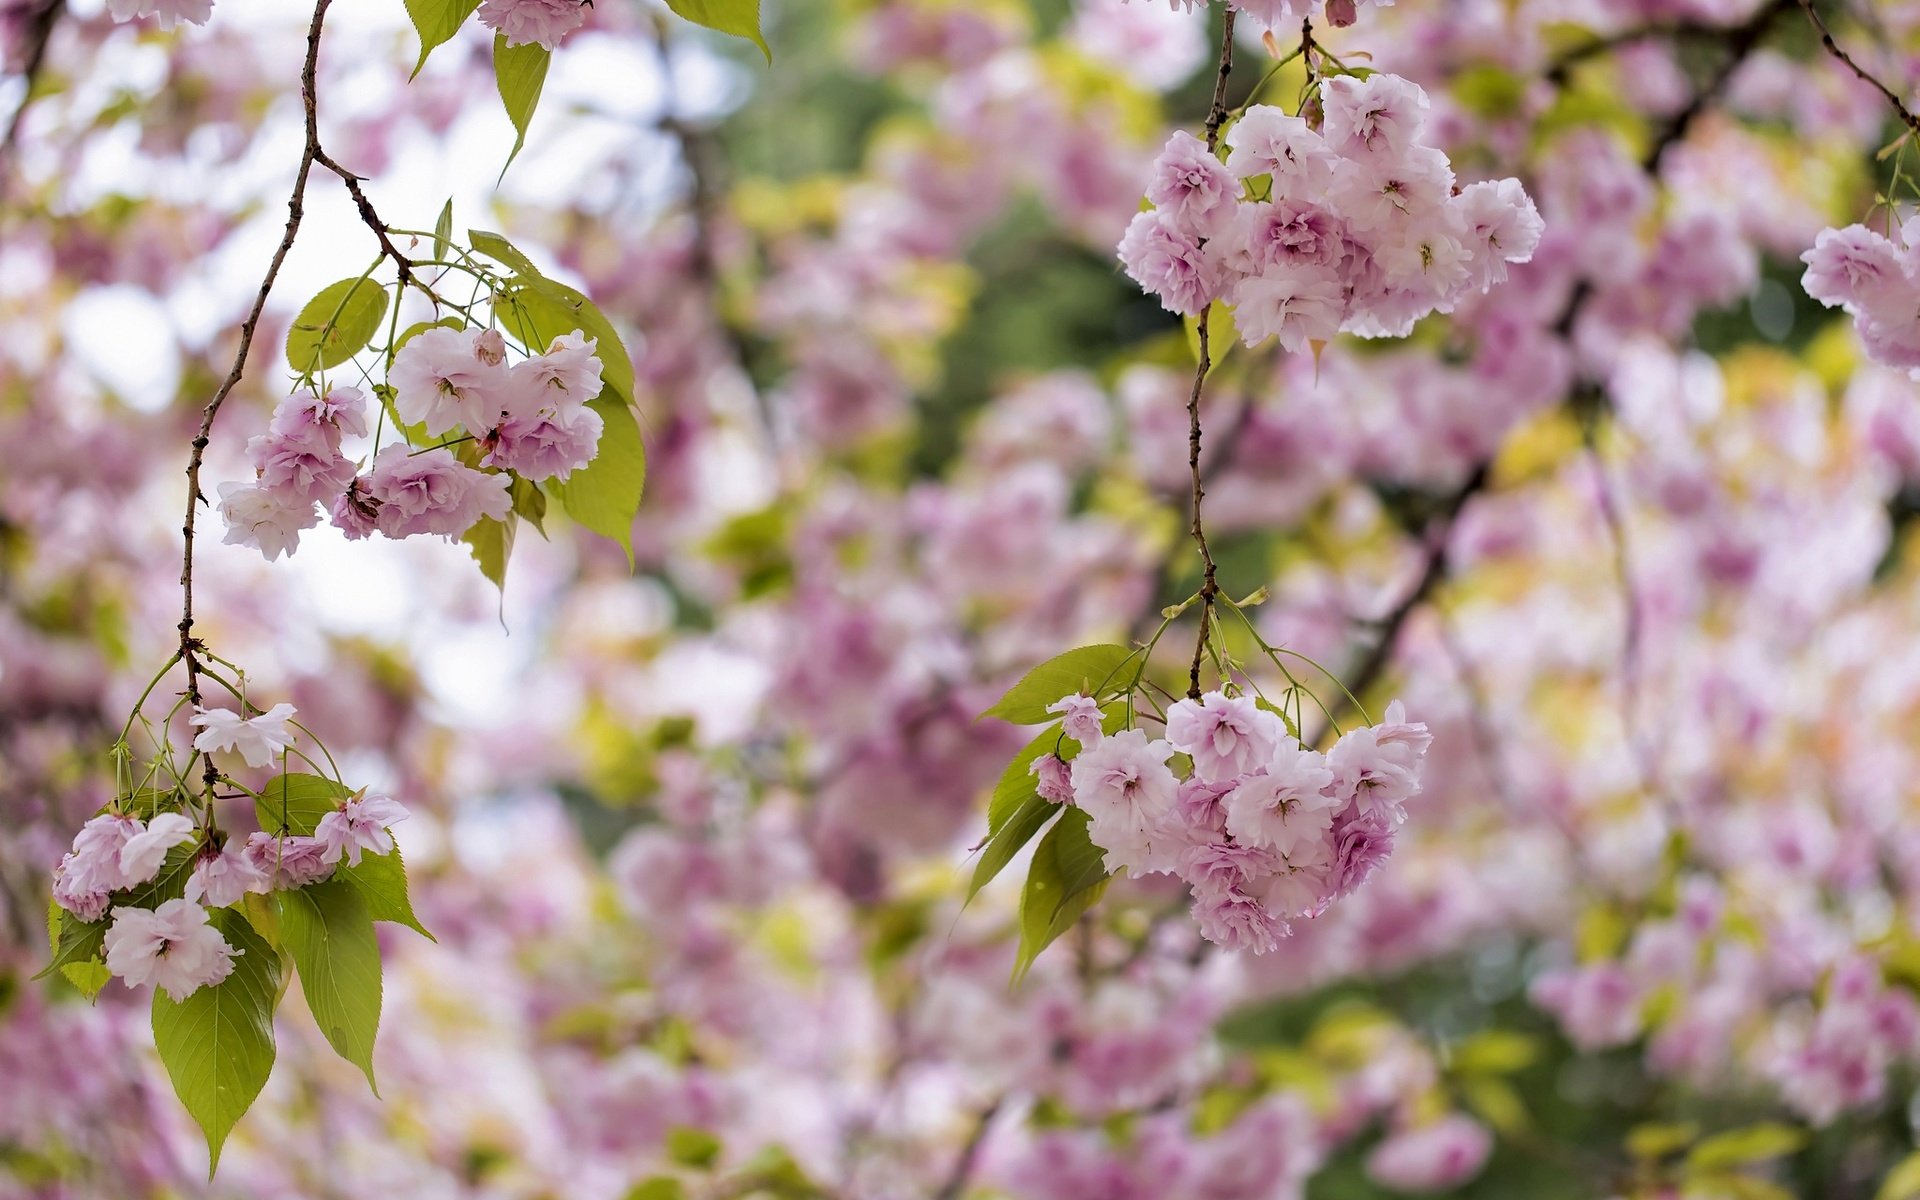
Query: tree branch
x: 1905, y: 114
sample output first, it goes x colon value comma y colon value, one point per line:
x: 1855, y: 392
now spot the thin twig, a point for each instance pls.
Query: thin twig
x: 190, y: 647
x: 957, y: 1179
x: 39, y: 34
x: 1905, y: 114
x: 1209, y: 588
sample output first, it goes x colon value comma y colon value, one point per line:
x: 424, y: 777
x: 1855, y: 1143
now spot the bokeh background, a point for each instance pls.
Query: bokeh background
x: 1631, y: 534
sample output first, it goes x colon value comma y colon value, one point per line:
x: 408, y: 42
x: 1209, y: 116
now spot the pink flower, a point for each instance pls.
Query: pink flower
x: 1854, y: 268
x: 1502, y: 226
x: 548, y: 443
x: 1269, y: 141
x: 440, y: 380
x: 1226, y: 736
x: 358, y: 825
x: 1303, y: 886
x: 341, y: 410
x: 1081, y: 718
x: 93, y: 867
x: 259, y: 739
x: 1299, y: 305
x: 1170, y: 265
x: 1360, y: 845
x: 288, y: 862
x: 1382, y: 114
x: 1436, y: 1157
x: 1237, y: 921
x: 1125, y: 786
x: 432, y: 492
x: 300, y: 465
x: 534, y: 22
x: 70, y: 891
x: 567, y: 374
x: 268, y: 520
x: 1053, y: 779
x: 1288, y: 233
x: 1284, y: 805
x: 1598, y: 1004
x: 1377, y: 767
x: 1219, y: 866
x: 141, y: 856
x: 1190, y: 187
x: 172, y: 947
x: 355, y: 513
x: 222, y: 879
x: 166, y: 13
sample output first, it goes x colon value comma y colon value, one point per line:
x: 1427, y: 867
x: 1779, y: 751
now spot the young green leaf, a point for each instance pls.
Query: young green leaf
x: 1098, y: 671
x: 382, y: 880
x: 491, y: 543
x: 537, y: 310
x: 1751, y: 1144
x: 1017, y: 783
x: 604, y: 496
x: 1068, y: 875
x: 328, y: 929
x: 443, y: 230
x: 500, y: 250
x: 295, y: 803
x: 1014, y: 832
x: 217, y: 1044
x: 519, y: 72
x: 336, y: 324
x: 76, y: 950
x: 436, y: 21
x: 741, y: 18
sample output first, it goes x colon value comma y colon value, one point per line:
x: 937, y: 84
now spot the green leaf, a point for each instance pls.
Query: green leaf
x: 419, y: 327
x: 499, y: 249
x: 336, y: 325
x: 1754, y: 1143
x: 1497, y: 1102
x: 437, y: 21
x: 1656, y: 1140
x: 604, y: 496
x: 519, y: 72
x: 1007, y: 840
x: 491, y: 543
x: 1094, y: 670
x: 170, y: 883
x: 329, y: 932
x: 1495, y: 1052
x: 443, y: 230
x: 217, y: 1044
x: 1068, y: 875
x: 529, y: 503
x: 1017, y: 782
x: 295, y: 803
x: 1903, y: 1182
x: 660, y: 1187
x: 382, y: 880
x: 692, y: 1147
x: 741, y: 18
x: 539, y: 309
x: 76, y: 948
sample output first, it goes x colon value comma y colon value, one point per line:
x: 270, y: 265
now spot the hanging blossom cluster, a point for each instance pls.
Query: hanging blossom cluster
x: 530, y: 417
x: 1305, y: 233
x: 1265, y: 830
x: 117, y: 857
x: 1275, y: 14
x: 1877, y: 282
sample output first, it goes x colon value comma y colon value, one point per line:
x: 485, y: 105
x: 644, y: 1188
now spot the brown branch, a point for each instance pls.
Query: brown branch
x: 1905, y: 114
x: 1209, y: 588
x: 39, y: 35
x: 957, y: 1179
x: 190, y: 647
x: 403, y: 265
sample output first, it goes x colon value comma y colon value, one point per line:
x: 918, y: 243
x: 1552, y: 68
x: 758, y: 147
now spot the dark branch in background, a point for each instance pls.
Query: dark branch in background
x: 190, y: 647
x: 39, y: 34
x: 1832, y: 47
x: 956, y: 1182
x: 1216, y: 116
x: 1437, y: 530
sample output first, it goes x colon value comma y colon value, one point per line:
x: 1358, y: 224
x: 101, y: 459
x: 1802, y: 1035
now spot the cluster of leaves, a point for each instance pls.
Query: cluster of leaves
x: 218, y: 1043
x: 530, y: 310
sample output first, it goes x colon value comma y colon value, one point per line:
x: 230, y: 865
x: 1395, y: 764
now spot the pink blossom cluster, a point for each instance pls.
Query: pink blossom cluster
x: 1877, y: 281
x: 1305, y: 232
x: 172, y: 945
x: 530, y: 418
x: 1265, y: 830
x: 543, y: 23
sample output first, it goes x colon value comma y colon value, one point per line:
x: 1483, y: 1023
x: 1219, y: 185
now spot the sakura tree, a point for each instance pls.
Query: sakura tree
x: 904, y: 598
